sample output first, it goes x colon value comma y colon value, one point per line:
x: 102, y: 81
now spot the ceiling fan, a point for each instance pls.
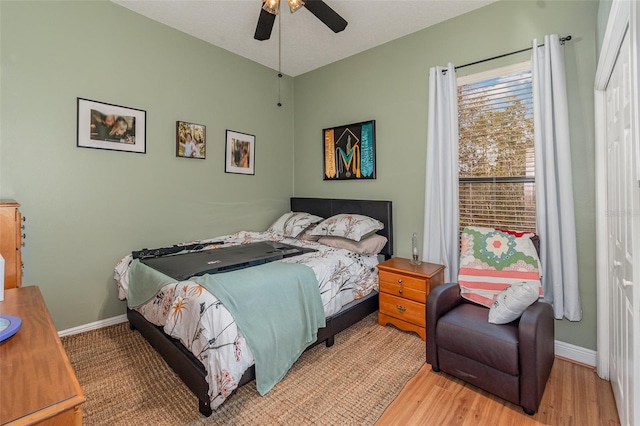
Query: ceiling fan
x: 318, y: 7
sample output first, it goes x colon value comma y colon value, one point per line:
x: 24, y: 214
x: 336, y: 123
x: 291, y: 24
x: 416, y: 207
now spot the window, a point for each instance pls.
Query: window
x: 496, y: 150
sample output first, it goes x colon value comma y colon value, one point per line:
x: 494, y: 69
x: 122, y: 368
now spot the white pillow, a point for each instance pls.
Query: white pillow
x: 352, y: 226
x: 512, y: 302
x: 293, y: 223
x: 369, y: 246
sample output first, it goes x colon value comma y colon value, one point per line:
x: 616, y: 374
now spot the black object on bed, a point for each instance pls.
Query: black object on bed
x: 191, y: 370
x: 224, y: 259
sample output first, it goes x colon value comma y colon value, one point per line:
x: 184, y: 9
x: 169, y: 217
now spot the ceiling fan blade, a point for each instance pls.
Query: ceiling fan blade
x: 327, y: 15
x: 265, y: 25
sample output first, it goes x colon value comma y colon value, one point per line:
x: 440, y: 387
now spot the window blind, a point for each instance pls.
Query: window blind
x: 496, y: 153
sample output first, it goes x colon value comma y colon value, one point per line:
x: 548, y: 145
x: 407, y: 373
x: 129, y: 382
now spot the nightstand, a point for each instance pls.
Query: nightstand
x: 403, y: 293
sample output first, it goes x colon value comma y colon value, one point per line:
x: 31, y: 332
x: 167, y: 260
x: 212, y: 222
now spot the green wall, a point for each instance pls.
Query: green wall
x: 390, y: 84
x: 86, y: 208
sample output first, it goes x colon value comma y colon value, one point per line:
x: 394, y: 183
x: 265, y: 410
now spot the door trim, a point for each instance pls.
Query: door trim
x: 616, y: 29
x: 602, y: 328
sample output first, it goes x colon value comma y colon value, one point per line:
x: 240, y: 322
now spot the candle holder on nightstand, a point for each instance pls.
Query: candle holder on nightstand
x: 415, y: 256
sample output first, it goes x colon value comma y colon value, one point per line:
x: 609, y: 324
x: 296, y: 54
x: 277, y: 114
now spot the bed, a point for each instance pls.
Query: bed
x: 192, y: 371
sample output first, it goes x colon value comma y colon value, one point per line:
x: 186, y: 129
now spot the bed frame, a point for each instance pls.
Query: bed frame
x: 191, y: 370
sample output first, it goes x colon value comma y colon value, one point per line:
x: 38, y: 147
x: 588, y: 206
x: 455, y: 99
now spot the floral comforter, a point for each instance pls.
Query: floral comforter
x: 190, y: 313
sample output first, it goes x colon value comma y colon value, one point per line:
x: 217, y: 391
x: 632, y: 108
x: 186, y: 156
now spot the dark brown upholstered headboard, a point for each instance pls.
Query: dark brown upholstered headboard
x: 327, y: 207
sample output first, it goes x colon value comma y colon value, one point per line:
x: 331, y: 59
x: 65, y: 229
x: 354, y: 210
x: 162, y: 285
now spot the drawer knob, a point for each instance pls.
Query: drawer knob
x: 400, y: 291
x: 399, y: 280
x: 401, y: 308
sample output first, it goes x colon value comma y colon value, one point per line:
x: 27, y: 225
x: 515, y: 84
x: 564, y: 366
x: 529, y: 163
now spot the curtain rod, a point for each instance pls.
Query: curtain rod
x: 562, y: 41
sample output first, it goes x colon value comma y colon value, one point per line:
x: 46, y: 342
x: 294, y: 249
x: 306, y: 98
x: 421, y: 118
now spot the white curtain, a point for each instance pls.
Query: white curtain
x: 554, y: 188
x: 441, y: 235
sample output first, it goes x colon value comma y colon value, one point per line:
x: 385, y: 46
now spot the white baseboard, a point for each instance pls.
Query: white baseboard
x: 93, y: 325
x: 576, y: 353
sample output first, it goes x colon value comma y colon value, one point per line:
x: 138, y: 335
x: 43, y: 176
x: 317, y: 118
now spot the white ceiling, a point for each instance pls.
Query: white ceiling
x: 306, y: 43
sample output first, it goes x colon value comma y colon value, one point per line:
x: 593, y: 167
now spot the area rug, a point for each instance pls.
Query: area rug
x: 351, y: 383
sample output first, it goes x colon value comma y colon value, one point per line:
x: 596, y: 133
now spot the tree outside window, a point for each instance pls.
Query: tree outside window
x: 496, y: 150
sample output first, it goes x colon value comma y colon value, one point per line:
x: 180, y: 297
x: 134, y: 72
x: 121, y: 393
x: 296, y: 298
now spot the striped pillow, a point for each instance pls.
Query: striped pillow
x: 492, y: 260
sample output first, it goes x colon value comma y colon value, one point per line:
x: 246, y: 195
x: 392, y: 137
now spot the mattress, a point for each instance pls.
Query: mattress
x: 188, y: 312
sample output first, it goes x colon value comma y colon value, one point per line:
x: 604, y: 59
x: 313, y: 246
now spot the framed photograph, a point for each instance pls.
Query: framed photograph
x: 240, y: 153
x: 349, y: 152
x: 113, y: 127
x: 190, y: 140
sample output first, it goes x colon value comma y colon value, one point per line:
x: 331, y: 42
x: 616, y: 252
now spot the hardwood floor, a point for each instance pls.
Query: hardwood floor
x: 574, y: 395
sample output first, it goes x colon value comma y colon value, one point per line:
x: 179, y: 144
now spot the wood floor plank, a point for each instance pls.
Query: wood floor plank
x: 574, y: 395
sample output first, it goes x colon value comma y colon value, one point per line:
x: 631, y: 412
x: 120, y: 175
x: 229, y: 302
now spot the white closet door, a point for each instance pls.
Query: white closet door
x: 621, y: 187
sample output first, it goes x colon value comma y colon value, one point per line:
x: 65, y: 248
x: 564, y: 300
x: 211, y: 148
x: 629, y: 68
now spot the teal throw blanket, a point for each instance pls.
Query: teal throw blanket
x: 144, y: 283
x: 277, y: 307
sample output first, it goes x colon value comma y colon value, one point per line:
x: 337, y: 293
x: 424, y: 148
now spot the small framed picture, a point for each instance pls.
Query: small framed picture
x: 114, y: 127
x: 191, y: 140
x: 240, y: 153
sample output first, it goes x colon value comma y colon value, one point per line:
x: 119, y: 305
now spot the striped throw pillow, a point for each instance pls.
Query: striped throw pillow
x: 492, y: 260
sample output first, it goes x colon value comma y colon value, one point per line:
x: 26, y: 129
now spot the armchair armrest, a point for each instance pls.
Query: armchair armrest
x: 441, y: 300
x: 537, y: 338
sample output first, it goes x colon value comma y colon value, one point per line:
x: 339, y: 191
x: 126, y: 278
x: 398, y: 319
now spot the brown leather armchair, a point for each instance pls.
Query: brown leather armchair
x: 512, y: 361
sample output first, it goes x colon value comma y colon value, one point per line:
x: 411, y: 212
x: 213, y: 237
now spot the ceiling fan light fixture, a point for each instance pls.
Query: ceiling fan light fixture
x: 271, y: 6
x: 295, y: 5
x: 321, y: 10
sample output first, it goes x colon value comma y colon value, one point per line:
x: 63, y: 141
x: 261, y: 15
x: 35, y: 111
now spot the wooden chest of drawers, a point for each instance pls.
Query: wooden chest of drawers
x: 403, y: 293
x: 37, y: 382
x: 11, y: 242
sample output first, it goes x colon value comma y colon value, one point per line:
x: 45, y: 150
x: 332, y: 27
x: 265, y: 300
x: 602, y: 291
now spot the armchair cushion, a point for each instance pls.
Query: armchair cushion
x: 466, y: 331
x: 492, y: 260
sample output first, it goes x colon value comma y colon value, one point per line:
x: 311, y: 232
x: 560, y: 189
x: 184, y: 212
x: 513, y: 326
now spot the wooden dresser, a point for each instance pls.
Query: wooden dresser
x: 37, y: 383
x: 11, y: 242
x: 403, y: 293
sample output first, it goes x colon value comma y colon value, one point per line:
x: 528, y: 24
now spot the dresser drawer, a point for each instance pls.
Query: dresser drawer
x: 403, y: 309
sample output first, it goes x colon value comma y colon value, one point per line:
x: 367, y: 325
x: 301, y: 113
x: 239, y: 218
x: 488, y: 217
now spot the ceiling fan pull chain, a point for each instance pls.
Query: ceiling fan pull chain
x: 279, y: 57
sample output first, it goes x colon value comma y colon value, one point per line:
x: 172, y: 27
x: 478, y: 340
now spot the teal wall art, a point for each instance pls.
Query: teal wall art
x: 350, y: 151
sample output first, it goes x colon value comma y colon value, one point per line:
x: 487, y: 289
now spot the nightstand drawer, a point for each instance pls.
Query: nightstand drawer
x: 403, y: 309
x: 419, y: 284
x: 401, y: 290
